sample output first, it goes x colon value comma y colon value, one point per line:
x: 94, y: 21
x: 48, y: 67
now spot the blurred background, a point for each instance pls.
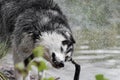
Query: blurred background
x: 96, y: 29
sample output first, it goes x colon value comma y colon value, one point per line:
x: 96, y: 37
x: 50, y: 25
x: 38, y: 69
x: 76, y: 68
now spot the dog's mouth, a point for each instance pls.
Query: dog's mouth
x: 57, y: 64
x: 54, y: 62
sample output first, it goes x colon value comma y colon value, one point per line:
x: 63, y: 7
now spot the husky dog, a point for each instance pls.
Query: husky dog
x: 30, y: 23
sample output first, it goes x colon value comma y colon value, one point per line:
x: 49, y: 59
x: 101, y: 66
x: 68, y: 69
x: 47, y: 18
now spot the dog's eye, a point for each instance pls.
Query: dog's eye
x: 65, y: 42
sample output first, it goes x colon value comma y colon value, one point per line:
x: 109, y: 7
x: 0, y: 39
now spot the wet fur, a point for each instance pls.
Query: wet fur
x: 23, y: 21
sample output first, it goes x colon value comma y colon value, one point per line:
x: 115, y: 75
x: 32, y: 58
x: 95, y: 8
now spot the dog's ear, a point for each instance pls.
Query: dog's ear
x: 70, y: 37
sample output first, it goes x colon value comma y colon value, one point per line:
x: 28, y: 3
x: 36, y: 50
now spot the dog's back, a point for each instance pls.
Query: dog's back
x: 11, y: 9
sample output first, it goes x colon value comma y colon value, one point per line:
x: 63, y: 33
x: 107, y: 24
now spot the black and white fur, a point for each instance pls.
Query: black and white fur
x: 30, y: 23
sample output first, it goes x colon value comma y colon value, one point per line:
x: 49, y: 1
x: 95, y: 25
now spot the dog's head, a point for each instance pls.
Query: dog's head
x: 60, y: 47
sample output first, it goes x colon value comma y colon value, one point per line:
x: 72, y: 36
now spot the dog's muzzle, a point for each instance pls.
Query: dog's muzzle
x: 56, y: 63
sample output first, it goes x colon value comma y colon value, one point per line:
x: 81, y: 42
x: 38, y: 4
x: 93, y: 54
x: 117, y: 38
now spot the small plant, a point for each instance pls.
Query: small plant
x: 38, y: 52
x: 51, y: 78
x: 100, y: 77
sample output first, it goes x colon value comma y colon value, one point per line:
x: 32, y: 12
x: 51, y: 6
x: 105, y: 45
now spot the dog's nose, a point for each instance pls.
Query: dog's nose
x: 61, y: 64
x: 57, y: 62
